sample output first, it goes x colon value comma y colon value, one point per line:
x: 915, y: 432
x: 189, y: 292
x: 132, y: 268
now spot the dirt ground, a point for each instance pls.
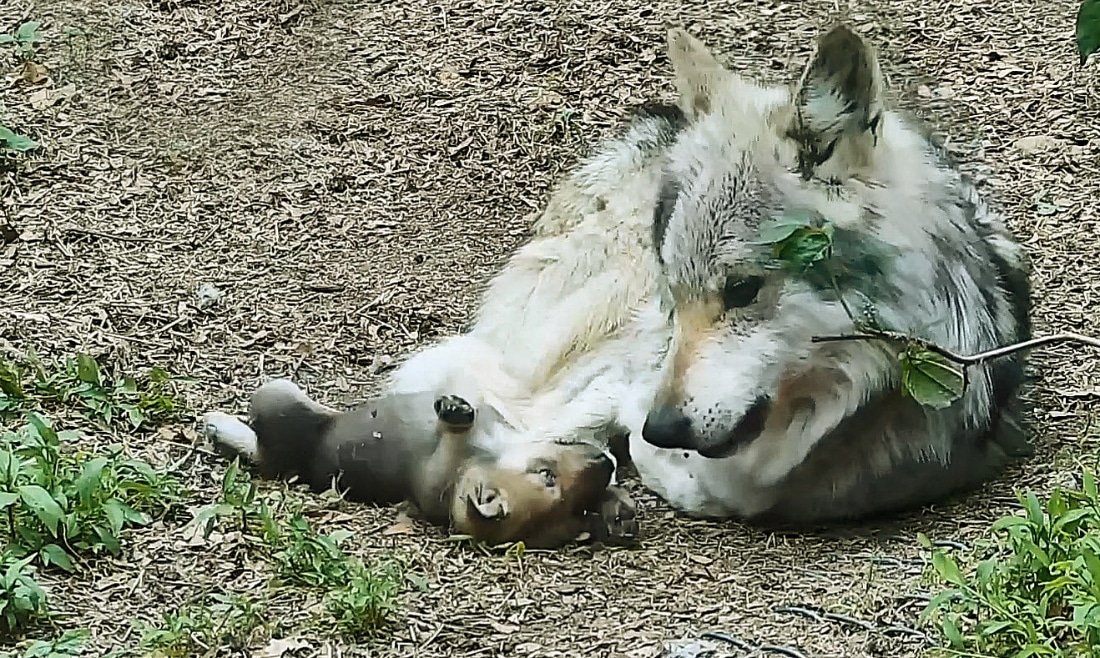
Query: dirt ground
x: 346, y: 173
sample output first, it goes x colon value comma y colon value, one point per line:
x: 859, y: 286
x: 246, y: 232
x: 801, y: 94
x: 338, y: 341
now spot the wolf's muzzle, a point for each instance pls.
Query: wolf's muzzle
x: 746, y: 431
x: 667, y: 427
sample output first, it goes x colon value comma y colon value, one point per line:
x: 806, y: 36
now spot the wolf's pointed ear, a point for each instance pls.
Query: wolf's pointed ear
x: 697, y: 72
x: 838, y: 105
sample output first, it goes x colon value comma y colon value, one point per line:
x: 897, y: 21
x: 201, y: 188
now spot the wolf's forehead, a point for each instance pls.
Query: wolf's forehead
x: 716, y: 217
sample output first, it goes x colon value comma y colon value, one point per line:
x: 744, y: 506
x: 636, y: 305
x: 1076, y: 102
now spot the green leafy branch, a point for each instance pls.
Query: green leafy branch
x: 932, y: 375
x: 1088, y: 29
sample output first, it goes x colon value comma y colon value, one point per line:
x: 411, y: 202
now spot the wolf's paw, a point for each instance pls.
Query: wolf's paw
x: 454, y: 411
x: 229, y: 435
x: 615, y: 521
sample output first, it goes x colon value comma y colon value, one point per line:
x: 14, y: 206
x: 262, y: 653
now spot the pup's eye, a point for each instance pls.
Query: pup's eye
x: 741, y: 292
x: 548, y: 477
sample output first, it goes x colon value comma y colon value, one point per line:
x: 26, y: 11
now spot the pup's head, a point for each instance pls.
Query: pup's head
x: 742, y: 360
x: 536, y: 492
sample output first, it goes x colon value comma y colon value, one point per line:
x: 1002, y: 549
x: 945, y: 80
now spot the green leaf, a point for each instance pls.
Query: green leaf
x: 16, y: 142
x: 1085, y: 615
x: 87, y: 370
x: 1010, y: 522
x: 339, y: 536
x: 1088, y: 485
x: 108, y: 539
x: 924, y: 541
x: 7, y: 499
x: 1092, y: 561
x: 28, y: 32
x: 781, y: 227
x: 90, y: 479
x: 1034, y: 509
x: 418, y: 581
x: 804, y: 248
x: 11, y: 383
x: 119, y: 514
x: 985, y: 572
x: 947, y: 568
x: 141, y: 468
x: 951, y: 632
x: 995, y: 627
x: 43, y: 429
x: 134, y: 414
x: 15, y: 569
x: 43, y: 505
x: 54, y: 554
x: 1088, y: 29
x: 1033, y: 650
x: 1069, y: 517
x: 5, y: 39
x: 1038, y: 552
x: 930, y: 378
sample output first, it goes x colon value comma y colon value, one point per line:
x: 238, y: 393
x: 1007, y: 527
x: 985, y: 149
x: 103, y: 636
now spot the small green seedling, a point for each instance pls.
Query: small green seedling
x: 24, y: 38
x: 13, y: 141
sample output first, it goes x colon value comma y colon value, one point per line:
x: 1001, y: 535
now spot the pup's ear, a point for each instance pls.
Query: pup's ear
x: 697, y: 72
x: 838, y: 105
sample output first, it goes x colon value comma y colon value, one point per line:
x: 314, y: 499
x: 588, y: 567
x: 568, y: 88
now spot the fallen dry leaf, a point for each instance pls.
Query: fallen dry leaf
x: 34, y: 73
x: 507, y: 629
x: 400, y: 528
x: 1037, y: 143
x: 46, y: 97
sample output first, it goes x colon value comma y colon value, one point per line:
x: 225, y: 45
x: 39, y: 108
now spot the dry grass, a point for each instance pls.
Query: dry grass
x: 346, y: 172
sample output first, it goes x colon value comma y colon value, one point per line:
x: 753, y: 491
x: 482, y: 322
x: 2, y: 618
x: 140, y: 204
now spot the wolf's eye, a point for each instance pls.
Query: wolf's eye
x: 741, y: 292
x: 548, y: 477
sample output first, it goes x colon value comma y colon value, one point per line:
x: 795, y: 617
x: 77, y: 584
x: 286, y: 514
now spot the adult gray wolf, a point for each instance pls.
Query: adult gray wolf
x: 780, y: 427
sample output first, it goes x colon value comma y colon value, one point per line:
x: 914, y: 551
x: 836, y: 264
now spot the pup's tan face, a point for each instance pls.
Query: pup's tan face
x: 542, y: 501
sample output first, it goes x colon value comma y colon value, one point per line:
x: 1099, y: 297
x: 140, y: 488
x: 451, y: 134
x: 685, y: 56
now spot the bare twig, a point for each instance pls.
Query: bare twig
x: 964, y: 359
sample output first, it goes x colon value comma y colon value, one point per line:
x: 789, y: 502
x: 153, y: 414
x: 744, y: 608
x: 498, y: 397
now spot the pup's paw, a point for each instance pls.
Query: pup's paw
x: 454, y: 411
x: 615, y: 521
x: 229, y: 435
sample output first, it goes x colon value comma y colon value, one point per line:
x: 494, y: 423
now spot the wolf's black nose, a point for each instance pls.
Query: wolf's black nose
x: 667, y: 427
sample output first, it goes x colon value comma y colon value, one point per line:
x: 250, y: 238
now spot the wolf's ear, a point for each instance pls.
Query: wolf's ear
x: 697, y: 72
x: 838, y: 105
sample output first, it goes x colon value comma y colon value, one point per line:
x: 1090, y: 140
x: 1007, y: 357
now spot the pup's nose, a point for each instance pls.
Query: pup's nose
x: 667, y: 427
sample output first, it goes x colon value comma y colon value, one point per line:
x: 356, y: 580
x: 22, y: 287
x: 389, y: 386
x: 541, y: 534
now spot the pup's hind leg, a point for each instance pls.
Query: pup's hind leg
x: 284, y: 428
x: 230, y: 436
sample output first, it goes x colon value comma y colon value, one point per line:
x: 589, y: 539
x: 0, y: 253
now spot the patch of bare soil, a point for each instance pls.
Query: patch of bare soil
x: 346, y: 173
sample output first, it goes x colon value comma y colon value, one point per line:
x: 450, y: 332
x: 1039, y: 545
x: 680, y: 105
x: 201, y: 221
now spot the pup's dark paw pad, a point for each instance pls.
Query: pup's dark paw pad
x: 616, y: 519
x: 454, y: 411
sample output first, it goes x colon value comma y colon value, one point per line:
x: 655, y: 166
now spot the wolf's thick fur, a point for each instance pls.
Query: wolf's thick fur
x: 646, y: 306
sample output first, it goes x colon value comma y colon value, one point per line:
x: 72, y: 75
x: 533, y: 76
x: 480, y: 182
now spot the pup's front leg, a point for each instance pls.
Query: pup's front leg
x: 437, y: 477
x: 615, y: 520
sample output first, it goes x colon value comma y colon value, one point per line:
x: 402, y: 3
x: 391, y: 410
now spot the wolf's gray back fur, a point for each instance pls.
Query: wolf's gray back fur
x: 644, y: 304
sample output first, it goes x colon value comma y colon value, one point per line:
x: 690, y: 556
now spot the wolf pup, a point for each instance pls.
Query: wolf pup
x: 754, y: 419
x: 386, y: 451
